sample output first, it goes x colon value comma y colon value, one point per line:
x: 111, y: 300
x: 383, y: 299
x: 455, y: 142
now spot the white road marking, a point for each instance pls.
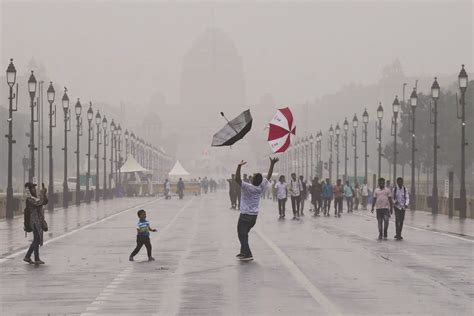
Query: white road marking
x: 72, y: 232
x: 300, y: 277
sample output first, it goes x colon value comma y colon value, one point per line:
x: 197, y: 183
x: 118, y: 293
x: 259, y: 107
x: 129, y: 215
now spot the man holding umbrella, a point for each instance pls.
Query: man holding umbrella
x: 250, y: 206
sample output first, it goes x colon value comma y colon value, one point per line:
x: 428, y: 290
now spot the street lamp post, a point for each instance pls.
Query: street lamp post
x: 65, y: 104
x: 119, y: 150
x: 378, y: 132
x: 78, y: 110
x: 98, y: 120
x: 345, y: 126
x: 32, y: 90
x: 413, y: 103
x: 104, y: 127
x: 463, y: 81
x: 365, y: 120
x: 338, y: 132
x: 90, y: 137
x: 331, y: 134
x: 51, y: 95
x: 435, y: 96
x: 355, y: 125
x: 11, y: 79
x: 319, y: 138
x: 126, y: 143
x: 396, y: 109
x: 112, y: 139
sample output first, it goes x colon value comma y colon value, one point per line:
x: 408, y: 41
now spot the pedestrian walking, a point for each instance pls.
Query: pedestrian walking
x: 232, y: 192
x: 251, y: 196
x: 274, y: 190
x: 143, y: 236
x: 316, y: 195
x: 382, y: 202
x: 295, y: 192
x: 167, y: 189
x: 364, y: 192
x: 338, y: 190
x: 327, y: 196
x: 180, y: 188
x: 349, y: 196
x: 281, y: 188
x: 356, y: 196
x: 303, y: 195
x: 401, y: 200
x: 34, y: 221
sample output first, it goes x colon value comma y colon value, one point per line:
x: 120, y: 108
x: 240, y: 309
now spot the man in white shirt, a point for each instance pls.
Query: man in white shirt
x: 401, y: 199
x: 295, y: 191
x: 281, y: 188
x: 250, y: 206
x: 383, y: 203
x: 364, y: 192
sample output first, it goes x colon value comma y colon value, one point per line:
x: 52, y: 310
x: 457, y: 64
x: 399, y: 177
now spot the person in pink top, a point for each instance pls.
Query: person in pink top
x: 383, y: 203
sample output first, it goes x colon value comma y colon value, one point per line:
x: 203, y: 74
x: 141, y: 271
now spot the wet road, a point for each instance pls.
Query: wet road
x: 316, y: 266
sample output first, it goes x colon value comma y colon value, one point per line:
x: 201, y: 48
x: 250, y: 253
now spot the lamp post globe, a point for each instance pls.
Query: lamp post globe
x: 435, y: 89
x: 50, y: 92
x: 380, y: 111
x: 32, y: 83
x: 11, y: 73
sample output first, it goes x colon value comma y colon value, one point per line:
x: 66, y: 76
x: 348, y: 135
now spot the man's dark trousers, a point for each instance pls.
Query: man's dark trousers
x: 245, y: 224
x: 295, y: 204
x: 399, y: 218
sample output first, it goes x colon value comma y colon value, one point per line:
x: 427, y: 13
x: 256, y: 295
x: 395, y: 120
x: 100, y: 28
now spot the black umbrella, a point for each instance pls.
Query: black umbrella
x: 233, y: 130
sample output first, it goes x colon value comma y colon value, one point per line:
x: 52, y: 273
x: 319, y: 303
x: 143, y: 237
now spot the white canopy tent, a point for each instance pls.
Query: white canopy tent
x: 131, y: 165
x: 178, y: 172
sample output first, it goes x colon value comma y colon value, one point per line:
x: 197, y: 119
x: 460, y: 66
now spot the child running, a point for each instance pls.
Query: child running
x: 143, y: 235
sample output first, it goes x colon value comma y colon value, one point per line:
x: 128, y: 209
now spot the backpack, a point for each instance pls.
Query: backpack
x: 26, y: 220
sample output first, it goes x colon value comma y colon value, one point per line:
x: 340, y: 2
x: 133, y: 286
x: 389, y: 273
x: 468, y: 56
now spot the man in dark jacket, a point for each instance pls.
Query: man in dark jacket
x: 34, y: 208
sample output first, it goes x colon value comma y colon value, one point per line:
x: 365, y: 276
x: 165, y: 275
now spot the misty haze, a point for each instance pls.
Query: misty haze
x: 294, y: 158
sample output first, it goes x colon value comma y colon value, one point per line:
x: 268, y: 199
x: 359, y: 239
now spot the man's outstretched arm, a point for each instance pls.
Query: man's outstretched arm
x: 238, y: 178
x: 273, y: 161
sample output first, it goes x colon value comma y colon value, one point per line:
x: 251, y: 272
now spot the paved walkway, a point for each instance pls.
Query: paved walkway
x: 316, y: 266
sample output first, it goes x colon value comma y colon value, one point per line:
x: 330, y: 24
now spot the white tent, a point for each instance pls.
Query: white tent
x: 131, y: 165
x: 178, y: 172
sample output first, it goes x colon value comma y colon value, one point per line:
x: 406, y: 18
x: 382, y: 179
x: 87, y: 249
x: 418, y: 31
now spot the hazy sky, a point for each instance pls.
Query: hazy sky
x: 296, y: 51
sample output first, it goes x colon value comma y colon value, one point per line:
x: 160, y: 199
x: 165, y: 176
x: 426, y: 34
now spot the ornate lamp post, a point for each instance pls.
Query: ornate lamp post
x: 119, y: 159
x: 104, y: 128
x: 338, y: 132
x: 319, y: 138
x: 355, y: 125
x: 90, y: 137
x: 126, y: 143
x: 396, y: 109
x: 78, y: 110
x: 378, y: 132
x: 51, y: 95
x: 463, y: 81
x: 112, y: 139
x: 132, y: 144
x: 435, y: 96
x: 331, y: 135
x: 365, y: 120
x: 67, y: 111
x: 345, y: 126
x: 98, y: 121
x: 11, y: 79
x: 413, y: 103
x: 32, y: 90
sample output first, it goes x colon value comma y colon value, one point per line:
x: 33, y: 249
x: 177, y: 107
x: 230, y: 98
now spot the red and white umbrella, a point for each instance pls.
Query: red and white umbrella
x: 281, y: 130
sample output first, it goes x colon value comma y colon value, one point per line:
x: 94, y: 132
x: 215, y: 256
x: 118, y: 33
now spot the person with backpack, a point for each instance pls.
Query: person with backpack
x: 401, y: 200
x: 348, y: 194
x: 34, y: 221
